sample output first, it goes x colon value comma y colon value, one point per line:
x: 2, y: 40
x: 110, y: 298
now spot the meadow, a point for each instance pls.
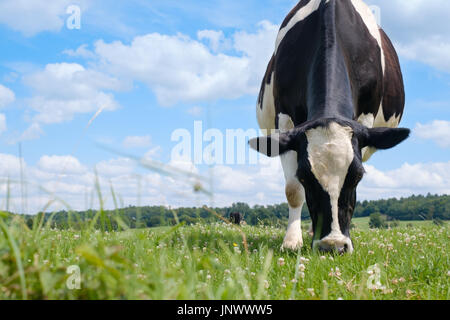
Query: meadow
x: 215, y: 261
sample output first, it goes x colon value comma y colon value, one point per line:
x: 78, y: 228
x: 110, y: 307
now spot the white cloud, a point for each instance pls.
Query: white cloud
x: 6, y: 96
x: 3, y: 126
x: 419, y: 29
x: 61, y: 165
x: 115, y: 167
x: 63, y: 90
x: 34, y: 16
x: 137, y: 142
x: 180, y: 69
x: 9, y: 166
x: 33, y: 132
x: 81, y: 52
x: 420, y: 178
x: 437, y: 131
x: 215, y: 39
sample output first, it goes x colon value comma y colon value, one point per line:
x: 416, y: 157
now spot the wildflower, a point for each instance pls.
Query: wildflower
x: 235, y: 244
x: 76, y: 236
x: 304, y: 260
x: 208, y: 277
x: 301, y: 275
x: 266, y: 284
x: 294, y: 280
x: 301, y: 267
x: 311, y: 291
x: 253, y: 274
x: 323, y: 258
x: 335, y: 272
x: 371, y: 252
x: 448, y: 273
x: 401, y: 279
x: 281, y: 262
x: 227, y: 271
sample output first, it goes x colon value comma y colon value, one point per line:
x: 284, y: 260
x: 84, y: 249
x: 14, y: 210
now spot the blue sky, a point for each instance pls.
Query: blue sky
x: 157, y: 66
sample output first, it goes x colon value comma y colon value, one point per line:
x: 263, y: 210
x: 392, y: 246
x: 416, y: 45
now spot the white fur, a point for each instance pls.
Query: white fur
x: 371, y: 23
x: 266, y: 114
x: 330, y: 153
x: 293, y: 239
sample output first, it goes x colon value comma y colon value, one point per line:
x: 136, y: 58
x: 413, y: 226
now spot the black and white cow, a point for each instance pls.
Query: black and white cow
x: 333, y: 92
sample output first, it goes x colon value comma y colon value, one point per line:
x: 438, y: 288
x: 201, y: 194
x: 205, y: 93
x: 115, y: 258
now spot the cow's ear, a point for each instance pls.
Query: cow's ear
x: 385, y: 138
x: 274, y: 145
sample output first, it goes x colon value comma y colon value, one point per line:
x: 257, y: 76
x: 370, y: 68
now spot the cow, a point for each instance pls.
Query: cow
x: 236, y: 218
x: 332, y: 95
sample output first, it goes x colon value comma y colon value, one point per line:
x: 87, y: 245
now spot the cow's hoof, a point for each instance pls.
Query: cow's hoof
x: 293, y: 245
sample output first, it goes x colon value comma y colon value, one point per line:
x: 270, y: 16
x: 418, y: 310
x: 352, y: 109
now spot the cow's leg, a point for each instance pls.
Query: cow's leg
x: 295, y: 194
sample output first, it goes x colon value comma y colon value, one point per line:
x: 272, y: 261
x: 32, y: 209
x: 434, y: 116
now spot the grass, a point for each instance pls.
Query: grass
x: 210, y: 262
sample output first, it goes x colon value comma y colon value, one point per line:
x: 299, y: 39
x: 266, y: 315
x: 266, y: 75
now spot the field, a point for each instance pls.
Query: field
x: 211, y: 262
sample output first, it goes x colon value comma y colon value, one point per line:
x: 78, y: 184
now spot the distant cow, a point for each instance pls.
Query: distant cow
x: 332, y: 95
x: 236, y: 218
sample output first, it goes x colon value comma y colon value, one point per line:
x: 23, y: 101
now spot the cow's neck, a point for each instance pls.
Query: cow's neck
x: 329, y: 92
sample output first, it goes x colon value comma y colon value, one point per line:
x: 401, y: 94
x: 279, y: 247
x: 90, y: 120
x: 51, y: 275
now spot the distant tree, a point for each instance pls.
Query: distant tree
x: 377, y: 221
x: 438, y: 222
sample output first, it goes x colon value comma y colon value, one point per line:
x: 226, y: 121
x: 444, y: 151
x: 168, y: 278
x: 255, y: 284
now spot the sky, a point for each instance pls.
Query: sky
x: 87, y: 88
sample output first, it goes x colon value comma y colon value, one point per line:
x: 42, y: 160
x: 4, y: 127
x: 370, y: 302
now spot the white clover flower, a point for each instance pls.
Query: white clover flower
x: 304, y: 260
x: 281, y: 262
x: 311, y: 291
x: 301, y: 267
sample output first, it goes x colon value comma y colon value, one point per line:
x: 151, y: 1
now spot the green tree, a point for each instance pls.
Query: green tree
x: 377, y: 221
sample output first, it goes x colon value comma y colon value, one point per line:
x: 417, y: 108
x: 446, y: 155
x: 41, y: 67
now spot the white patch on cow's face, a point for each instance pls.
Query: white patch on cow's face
x: 330, y: 153
x: 301, y: 15
x: 371, y: 23
x: 266, y: 113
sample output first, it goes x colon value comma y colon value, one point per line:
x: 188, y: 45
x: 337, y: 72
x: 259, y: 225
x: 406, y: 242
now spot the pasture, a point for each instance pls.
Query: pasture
x: 212, y: 262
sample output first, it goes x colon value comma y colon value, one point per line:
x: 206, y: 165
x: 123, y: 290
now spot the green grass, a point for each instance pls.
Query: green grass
x: 210, y: 262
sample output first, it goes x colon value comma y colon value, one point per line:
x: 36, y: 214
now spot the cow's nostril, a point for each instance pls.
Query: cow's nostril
x: 342, y: 250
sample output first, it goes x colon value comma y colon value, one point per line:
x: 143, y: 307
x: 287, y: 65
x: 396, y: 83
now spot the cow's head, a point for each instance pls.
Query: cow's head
x: 330, y: 169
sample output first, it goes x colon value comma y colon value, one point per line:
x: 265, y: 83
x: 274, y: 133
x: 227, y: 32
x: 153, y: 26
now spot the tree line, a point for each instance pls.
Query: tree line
x: 430, y: 207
